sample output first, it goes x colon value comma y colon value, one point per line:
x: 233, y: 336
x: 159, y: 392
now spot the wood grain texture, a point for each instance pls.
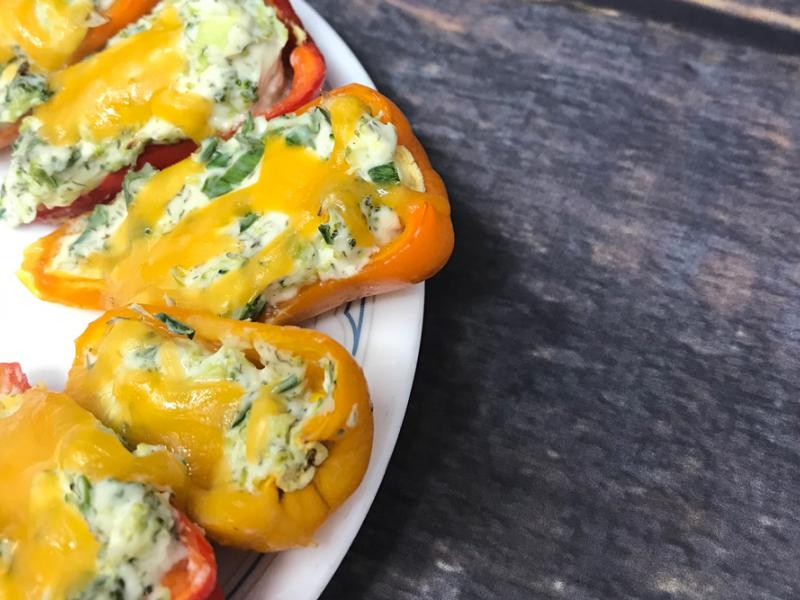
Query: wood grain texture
x: 607, y: 400
x: 751, y: 8
x: 751, y: 23
x: 776, y: 11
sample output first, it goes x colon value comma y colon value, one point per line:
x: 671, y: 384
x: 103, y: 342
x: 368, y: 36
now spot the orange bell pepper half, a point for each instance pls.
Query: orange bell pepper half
x: 50, y: 444
x: 305, y: 68
x: 274, y: 423
x: 416, y: 255
x: 293, y: 181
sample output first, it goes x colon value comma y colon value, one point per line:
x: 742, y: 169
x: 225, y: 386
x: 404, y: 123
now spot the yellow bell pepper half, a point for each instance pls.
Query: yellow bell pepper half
x: 57, y: 465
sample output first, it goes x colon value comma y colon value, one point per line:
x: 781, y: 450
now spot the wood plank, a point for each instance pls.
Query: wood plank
x: 768, y: 24
x: 607, y: 399
x: 780, y: 12
x: 766, y: 10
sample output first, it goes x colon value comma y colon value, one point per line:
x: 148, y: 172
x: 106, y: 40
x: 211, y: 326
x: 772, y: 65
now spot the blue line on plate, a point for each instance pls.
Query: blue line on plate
x: 355, y: 327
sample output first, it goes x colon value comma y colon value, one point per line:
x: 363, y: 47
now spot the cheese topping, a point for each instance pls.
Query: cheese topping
x: 189, y: 69
x: 246, y: 223
x: 72, y: 524
x: 239, y: 420
x: 46, y: 32
x: 36, y: 38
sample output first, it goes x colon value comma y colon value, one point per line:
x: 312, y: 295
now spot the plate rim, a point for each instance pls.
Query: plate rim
x: 344, y: 67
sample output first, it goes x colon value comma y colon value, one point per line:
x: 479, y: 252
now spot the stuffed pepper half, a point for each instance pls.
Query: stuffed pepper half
x: 40, y: 37
x: 81, y: 517
x: 188, y: 70
x: 289, y: 218
x: 274, y: 423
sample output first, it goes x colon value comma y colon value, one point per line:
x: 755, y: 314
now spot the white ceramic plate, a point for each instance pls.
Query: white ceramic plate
x: 383, y: 333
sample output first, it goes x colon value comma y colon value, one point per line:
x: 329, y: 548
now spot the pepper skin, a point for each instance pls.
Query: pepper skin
x: 302, y: 59
x: 193, y: 414
x: 418, y: 252
x: 118, y: 16
x: 416, y: 255
x: 12, y: 379
x: 44, y: 432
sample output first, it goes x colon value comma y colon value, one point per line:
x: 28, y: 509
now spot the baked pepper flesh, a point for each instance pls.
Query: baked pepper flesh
x: 289, y: 218
x: 40, y: 37
x: 274, y: 423
x: 81, y: 516
x: 187, y: 70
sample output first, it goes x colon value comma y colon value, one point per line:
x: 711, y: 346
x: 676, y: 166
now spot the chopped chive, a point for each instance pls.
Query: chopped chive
x: 246, y: 221
x: 253, y: 308
x: 219, y: 159
x: 43, y: 177
x: 287, y: 384
x: 97, y: 218
x: 208, y: 149
x: 219, y: 185
x: 175, y: 326
x: 241, y: 417
x: 327, y: 233
x: 132, y: 179
x: 249, y: 124
x: 81, y: 492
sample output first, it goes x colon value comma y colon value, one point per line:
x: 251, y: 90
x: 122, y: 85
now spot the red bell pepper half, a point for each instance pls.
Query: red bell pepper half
x: 195, y: 577
x: 303, y: 61
x: 12, y: 379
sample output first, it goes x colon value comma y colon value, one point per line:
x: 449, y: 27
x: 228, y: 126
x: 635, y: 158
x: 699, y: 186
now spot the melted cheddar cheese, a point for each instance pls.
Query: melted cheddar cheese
x: 37, y: 37
x: 78, y: 513
x: 246, y: 223
x: 188, y: 70
x: 237, y: 422
x: 45, y: 32
x: 117, y: 89
x: 274, y: 423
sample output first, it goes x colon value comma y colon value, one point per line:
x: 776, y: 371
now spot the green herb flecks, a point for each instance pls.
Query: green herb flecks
x: 81, y: 492
x: 134, y: 180
x: 384, y: 174
x: 246, y: 221
x: 248, y: 126
x: 219, y: 185
x: 248, y: 90
x: 287, y: 384
x: 209, y: 149
x: 175, y: 326
x: 328, y: 233
x: 97, y: 218
x: 42, y: 177
x: 240, y: 418
x: 253, y: 308
x: 304, y: 130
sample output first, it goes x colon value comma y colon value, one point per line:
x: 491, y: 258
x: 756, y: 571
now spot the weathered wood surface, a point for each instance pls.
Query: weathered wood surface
x: 607, y: 403
x: 749, y: 9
